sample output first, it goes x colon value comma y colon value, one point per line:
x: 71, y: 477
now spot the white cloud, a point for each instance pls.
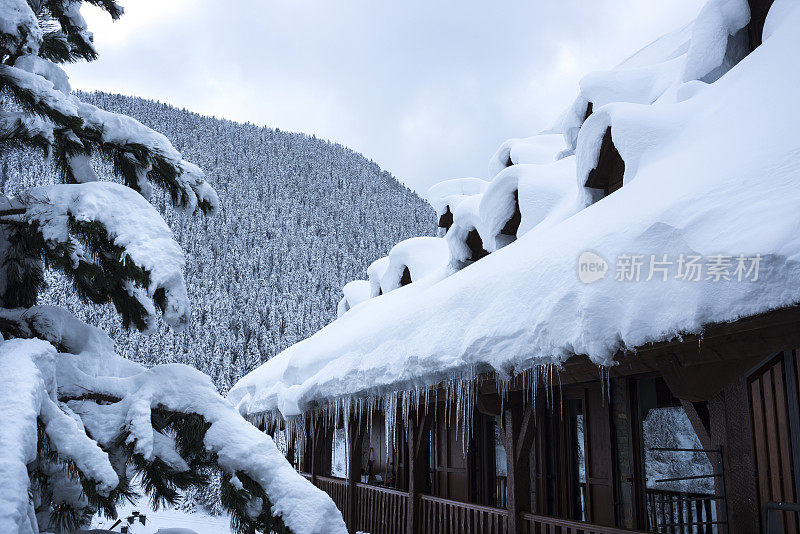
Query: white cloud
x: 427, y: 89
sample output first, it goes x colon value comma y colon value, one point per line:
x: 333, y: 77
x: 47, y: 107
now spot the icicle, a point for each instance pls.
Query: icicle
x: 390, y: 419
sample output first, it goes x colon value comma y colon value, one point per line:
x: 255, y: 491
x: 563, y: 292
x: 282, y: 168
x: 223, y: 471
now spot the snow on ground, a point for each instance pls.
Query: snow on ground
x: 711, y: 171
x: 199, y: 522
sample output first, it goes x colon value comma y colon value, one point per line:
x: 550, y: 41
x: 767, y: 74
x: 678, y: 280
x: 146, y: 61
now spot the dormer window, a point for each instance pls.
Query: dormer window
x: 607, y: 175
x: 475, y: 244
x: 512, y: 225
x: 446, y: 219
x: 406, y: 278
x: 758, y: 15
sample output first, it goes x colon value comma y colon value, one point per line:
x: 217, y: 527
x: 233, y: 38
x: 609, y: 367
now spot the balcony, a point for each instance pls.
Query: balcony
x: 380, y: 510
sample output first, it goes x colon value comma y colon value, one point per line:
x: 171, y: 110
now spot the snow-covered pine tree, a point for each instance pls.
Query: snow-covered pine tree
x: 76, y: 419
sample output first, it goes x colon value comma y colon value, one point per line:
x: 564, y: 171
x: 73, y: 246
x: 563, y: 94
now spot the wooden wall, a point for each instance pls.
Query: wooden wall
x: 775, y: 427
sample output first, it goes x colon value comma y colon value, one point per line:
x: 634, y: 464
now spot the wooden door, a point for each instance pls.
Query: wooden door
x: 556, y: 464
x: 540, y: 501
x: 601, y: 508
x: 450, y: 472
x: 483, y: 462
x: 773, y: 416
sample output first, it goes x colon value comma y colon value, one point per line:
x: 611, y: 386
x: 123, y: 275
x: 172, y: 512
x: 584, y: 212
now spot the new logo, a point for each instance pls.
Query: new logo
x: 591, y: 267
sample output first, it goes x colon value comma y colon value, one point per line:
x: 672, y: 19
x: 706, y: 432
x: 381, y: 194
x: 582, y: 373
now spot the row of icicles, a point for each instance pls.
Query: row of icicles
x: 460, y: 393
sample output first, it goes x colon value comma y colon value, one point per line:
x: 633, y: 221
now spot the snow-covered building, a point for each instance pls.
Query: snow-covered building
x: 643, y: 275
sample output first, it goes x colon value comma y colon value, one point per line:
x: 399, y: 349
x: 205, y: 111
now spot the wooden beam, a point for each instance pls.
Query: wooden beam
x: 700, y: 383
x: 355, y: 438
x: 758, y: 15
x: 319, y: 440
x: 12, y: 211
x: 488, y: 403
x: 515, y: 431
x: 417, y: 435
x: 699, y: 425
x: 306, y: 449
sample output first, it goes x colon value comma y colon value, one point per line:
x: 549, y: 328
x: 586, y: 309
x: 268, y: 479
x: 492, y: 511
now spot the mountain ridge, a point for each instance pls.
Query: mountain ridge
x: 299, y: 215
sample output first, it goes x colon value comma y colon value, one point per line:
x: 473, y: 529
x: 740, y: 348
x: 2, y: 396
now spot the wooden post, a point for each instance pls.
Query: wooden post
x: 318, y: 456
x: 516, y: 433
x: 290, y: 456
x: 417, y: 435
x: 355, y: 437
x: 306, y: 449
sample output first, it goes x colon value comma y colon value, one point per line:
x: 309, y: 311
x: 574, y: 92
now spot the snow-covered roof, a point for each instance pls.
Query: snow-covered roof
x: 420, y: 256
x: 540, y: 149
x: 711, y: 172
x: 355, y: 293
x: 540, y: 191
x: 450, y: 193
x: 375, y: 273
x: 702, y: 50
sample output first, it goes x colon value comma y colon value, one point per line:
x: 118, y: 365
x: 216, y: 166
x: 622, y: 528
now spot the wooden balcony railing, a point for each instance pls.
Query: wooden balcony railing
x: 442, y: 516
x: 381, y: 510
x: 501, y: 483
x: 681, y: 513
x: 336, y: 488
x: 539, y: 524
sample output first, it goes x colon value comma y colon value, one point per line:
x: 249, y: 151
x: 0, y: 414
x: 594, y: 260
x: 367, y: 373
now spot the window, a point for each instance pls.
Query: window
x: 581, y: 445
x: 446, y: 219
x: 607, y: 176
x: 512, y: 225
x: 339, y: 450
x: 475, y: 244
x: 406, y: 278
x: 673, y: 493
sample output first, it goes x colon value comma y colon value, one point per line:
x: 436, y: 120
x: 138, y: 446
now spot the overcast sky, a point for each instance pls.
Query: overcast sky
x: 427, y: 88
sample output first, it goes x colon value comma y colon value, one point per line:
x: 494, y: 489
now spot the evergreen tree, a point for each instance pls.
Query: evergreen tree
x: 298, y: 219
x: 76, y: 419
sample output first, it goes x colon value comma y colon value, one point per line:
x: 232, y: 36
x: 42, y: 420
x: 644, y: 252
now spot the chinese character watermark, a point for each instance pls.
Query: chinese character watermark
x: 663, y: 267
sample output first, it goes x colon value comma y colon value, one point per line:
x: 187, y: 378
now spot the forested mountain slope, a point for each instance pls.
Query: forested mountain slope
x: 299, y: 218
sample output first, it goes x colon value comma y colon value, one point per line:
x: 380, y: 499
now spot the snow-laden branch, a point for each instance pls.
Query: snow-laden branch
x: 27, y: 385
x: 71, y: 442
x: 19, y: 28
x: 136, y: 149
x: 142, y: 241
x: 109, y: 393
x: 21, y: 394
x: 22, y: 128
x: 239, y: 446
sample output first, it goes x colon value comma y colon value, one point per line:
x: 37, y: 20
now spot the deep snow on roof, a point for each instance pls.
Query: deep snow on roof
x: 711, y: 172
